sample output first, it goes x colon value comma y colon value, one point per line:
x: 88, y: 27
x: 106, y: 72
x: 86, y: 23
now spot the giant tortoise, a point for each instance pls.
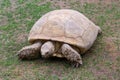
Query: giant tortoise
x: 61, y: 33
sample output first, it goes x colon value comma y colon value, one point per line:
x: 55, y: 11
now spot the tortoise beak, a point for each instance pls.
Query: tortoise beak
x: 46, y: 55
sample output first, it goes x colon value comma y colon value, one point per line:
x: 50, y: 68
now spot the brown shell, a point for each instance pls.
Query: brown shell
x: 67, y: 26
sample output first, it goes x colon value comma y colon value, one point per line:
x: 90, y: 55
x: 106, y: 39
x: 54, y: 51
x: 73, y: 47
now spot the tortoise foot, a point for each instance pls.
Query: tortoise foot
x: 72, y: 55
x: 30, y: 52
x: 77, y: 64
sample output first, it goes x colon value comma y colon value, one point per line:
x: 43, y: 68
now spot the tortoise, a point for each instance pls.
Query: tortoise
x: 61, y: 33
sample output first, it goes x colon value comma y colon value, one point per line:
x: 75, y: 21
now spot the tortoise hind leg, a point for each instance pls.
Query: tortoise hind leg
x: 30, y: 52
x: 99, y: 29
x: 71, y: 55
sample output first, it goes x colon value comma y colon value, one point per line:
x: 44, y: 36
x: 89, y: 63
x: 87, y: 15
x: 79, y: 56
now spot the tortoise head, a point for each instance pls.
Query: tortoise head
x: 47, y: 49
x: 45, y: 53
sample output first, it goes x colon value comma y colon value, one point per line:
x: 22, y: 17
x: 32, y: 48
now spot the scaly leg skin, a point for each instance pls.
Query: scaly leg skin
x: 71, y: 55
x: 30, y: 52
x: 47, y: 49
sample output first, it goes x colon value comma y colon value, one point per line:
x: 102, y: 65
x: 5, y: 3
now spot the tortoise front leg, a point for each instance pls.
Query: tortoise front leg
x: 47, y: 49
x: 30, y: 52
x: 71, y: 55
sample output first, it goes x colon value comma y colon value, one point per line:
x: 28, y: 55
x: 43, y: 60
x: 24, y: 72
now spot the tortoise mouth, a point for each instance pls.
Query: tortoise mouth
x: 47, y: 55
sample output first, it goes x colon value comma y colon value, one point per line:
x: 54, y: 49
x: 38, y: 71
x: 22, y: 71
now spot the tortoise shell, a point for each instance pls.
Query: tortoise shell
x: 67, y: 26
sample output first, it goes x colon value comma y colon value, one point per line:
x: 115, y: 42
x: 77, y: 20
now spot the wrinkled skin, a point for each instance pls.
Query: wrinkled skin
x: 48, y: 49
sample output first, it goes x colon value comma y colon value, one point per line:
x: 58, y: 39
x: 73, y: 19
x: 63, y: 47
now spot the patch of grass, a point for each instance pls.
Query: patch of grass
x: 21, y: 1
x: 27, y: 1
x: 9, y: 27
x: 97, y: 62
x: 5, y: 3
x: 10, y: 60
x: 33, y: 10
x: 101, y: 20
x: 117, y: 42
x: 29, y: 13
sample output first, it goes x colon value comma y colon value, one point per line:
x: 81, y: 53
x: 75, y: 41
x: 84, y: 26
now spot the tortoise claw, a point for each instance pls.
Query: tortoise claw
x: 76, y: 64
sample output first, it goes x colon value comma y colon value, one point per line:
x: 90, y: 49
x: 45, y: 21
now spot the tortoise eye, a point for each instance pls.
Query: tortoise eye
x: 47, y: 53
